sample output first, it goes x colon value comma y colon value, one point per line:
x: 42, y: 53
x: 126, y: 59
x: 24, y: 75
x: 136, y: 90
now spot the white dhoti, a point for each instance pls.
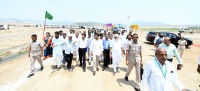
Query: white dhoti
x: 57, y: 56
x: 57, y: 59
x: 116, y: 53
x: 116, y: 57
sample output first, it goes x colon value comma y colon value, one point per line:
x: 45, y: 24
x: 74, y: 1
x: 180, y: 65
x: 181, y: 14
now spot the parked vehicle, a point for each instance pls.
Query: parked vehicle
x: 174, y: 38
x: 186, y: 30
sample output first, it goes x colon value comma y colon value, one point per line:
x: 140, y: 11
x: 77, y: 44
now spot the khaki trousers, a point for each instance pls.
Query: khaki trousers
x: 137, y: 69
x: 32, y: 63
x: 95, y: 62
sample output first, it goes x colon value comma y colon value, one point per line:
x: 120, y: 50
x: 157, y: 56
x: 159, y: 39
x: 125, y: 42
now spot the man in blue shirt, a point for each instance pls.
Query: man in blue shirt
x: 106, y: 44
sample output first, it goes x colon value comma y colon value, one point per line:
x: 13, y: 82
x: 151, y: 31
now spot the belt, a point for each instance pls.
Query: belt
x: 35, y: 51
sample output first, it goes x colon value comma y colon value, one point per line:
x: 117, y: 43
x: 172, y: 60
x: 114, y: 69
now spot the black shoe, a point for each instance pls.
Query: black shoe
x: 55, y: 67
x: 97, y: 69
x: 89, y: 63
x: 94, y: 73
x: 80, y: 65
x: 30, y: 75
x: 137, y: 89
x: 41, y: 69
x: 107, y: 67
x: 103, y: 69
x: 126, y: 78
x: 58, y: 68
x: 84, y: 69
x: 117, y: 69
x: 68, y: 67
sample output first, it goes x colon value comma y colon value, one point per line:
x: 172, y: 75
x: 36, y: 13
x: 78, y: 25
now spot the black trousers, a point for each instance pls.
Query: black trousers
x: 82, y: 54
x: 68, y: 59
x: 106, y: 53
x: 170, y: 60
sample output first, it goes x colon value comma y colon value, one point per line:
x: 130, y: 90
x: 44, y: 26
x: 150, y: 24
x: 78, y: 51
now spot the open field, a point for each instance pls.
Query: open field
x: 13, y: 72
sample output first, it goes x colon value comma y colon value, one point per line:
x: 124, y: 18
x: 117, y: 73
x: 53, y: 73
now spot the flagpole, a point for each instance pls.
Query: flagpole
x: 44, y: 26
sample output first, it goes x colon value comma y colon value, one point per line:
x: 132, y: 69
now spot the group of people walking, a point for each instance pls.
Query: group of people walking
x: 158, y: 74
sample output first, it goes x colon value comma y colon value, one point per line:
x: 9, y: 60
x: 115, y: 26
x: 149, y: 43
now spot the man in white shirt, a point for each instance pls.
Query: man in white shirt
x: 82, y: 51
x: 123, y: 38
x: 69, y: 50
x: 96, y: 50
x: 116, y: 52
x: 89, y: 40
x: 63, y: 59
x: 76, y: 46
x: 171, y: 51
x: 101, y: 40
x: 159, y: 74
x: 57, y: 44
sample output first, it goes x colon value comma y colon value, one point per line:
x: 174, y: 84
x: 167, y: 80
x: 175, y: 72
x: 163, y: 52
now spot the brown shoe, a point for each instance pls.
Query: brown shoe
x: 198, y: 69
x: 97, y: 69
x: 94, y: 73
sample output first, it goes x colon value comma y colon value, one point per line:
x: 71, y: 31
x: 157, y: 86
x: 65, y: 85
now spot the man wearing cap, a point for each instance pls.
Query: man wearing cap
x: 69, y: 50
x: 116, y: 52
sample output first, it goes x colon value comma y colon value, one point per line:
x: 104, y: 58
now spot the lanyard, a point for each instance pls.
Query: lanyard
x: 164, y: 74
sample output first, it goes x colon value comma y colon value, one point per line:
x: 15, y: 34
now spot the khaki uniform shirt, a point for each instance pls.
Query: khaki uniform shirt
x: 134, y: 51
x: 36, y: 48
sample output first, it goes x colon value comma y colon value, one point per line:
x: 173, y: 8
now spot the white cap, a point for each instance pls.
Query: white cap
x: 116, y: 35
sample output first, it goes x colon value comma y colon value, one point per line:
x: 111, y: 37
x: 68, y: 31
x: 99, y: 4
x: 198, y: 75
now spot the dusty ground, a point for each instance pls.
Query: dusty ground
x: 13, y: 73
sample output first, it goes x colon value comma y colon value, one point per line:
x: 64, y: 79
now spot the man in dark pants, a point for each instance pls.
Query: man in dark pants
x: 82, y: 51
x: 106, y: 52
x: 64, y: 55
x: 69, y: 50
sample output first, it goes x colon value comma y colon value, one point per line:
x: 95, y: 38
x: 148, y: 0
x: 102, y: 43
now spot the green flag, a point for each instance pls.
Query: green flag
x: 48, y: 16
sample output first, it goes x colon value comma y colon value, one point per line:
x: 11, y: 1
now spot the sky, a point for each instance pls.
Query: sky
x: 174, y: 12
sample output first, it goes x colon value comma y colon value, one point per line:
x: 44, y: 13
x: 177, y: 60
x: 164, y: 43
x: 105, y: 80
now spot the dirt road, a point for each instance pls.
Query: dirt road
x: 13, y: 73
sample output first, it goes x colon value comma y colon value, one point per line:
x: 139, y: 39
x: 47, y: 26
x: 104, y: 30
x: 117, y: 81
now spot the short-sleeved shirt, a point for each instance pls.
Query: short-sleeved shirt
x: 159, y: 41
x: 35, y: 48
x: 134, y: 51
x: 182, y: 42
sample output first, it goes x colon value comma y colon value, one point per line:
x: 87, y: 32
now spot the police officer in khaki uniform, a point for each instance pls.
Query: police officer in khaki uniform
x: 134, y: 58
x: 35, y: 53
